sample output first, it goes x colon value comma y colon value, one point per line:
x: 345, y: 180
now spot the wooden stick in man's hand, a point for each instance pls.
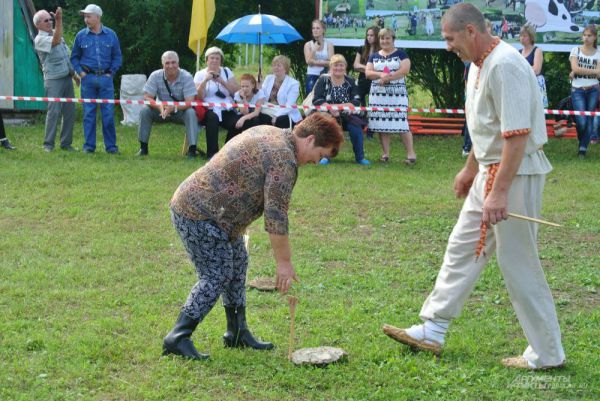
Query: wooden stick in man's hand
x: 548, y: 223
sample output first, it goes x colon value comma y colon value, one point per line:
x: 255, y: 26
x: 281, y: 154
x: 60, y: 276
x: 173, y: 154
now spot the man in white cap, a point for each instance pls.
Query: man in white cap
x: 96, y: 57
x: 58, y: 71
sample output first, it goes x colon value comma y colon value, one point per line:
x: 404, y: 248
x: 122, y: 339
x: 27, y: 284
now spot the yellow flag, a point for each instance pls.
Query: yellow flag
x: 203, y: 13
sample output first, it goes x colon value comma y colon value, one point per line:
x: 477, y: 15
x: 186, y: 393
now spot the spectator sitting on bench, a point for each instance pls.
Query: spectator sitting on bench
x: 217, y: 84
x: 338, y: 89
x: 170, y: 83
x: 248, y: 94
x: 281, y: 89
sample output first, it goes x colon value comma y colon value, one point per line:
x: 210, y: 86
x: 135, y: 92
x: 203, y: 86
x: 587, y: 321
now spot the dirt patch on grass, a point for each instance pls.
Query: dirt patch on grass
x: 335, y: 264
x: 365, y: 230
x: 576, y: 298
x: 9, y: 224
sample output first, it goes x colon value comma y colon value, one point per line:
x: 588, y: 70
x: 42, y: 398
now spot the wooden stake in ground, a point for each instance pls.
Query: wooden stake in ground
x: 185, y: 146
x: 292, y: 301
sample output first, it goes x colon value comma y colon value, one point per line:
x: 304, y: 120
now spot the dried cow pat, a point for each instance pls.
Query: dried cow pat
x: 320, y: 356
x: 263, y: 283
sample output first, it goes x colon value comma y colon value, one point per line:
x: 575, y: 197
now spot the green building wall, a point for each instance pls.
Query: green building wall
x: 29, y: 80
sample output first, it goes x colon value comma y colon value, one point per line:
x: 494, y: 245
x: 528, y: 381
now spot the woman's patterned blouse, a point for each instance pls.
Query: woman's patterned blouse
x: 253, y: 174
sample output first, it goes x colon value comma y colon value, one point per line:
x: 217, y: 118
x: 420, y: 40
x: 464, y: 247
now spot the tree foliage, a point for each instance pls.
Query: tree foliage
x: 441, y: 73
x: 146, y: 28
x: 556, y: 71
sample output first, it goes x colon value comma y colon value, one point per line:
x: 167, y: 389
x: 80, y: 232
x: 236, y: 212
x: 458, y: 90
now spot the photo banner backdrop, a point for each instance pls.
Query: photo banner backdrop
x: 559, y: 23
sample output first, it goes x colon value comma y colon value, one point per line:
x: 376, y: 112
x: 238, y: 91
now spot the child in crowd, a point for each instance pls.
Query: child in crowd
x: 248, y: 94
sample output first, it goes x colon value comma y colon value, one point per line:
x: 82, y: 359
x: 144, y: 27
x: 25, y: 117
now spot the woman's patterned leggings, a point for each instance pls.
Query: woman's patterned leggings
x: 221, y: 265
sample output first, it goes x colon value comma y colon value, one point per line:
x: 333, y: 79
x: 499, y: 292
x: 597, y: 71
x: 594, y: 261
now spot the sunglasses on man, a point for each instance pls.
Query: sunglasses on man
x: 48, y: 19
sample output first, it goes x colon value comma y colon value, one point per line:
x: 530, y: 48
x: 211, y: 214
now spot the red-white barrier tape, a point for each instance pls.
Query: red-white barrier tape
x: 270, y: 105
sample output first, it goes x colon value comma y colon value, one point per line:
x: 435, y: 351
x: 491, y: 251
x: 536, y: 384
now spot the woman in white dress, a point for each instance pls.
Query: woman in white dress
x: 387, y: 69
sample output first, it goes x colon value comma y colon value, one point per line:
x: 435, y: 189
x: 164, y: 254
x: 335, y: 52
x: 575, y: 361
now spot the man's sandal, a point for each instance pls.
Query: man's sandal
x: 519, y: 362
x: 401, y: 336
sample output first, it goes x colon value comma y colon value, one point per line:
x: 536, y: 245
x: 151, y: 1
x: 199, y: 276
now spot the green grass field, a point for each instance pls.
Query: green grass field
x: 93, y: 274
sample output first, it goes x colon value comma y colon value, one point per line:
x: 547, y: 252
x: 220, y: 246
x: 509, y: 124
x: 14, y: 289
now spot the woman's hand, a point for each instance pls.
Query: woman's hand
x: 212, y: 75
x: 335, y: 112
x: 284, y: 276
x: 240, y: 123
x: 317, y: 45
x: 220, y: 80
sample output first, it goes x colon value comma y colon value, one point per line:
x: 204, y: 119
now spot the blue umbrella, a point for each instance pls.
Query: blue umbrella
x: 259, y: 29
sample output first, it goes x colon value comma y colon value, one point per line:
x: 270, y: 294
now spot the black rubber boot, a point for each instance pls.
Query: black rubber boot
x: 237, y: 334
x: 192, y: 152
x: 143, y: 149
x: 178, y: 340
x: 6, y: 144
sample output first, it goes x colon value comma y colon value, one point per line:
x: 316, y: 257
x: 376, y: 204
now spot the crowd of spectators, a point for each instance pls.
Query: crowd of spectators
x: 96, y: 56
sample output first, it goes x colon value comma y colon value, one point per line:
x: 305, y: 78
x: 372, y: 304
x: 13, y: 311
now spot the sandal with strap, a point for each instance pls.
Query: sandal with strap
x: 410, y: 162
x: 403, y: 337
x: 519, y: 362
x: 384, y: 159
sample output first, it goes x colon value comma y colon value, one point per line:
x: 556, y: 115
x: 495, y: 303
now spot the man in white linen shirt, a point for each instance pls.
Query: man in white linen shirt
x: 505, y: 171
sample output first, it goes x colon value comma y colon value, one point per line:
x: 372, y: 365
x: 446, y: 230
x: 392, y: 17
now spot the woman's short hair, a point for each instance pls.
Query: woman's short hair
x: 530, y: 31
x: 284, y: 61
x: 337, y: 58
x: 387, y: 32
x: 214, y: 50
x: 250, y: 77
x: 325, y: 128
